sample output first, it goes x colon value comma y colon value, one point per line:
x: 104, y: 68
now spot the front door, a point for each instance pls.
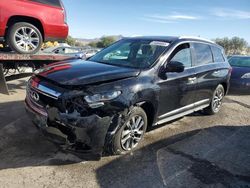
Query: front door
x: 177, y: 90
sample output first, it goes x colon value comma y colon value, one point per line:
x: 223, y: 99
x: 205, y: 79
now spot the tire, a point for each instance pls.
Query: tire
x: 216, y: 101
x: 24, y: 38
x: 118, y: 146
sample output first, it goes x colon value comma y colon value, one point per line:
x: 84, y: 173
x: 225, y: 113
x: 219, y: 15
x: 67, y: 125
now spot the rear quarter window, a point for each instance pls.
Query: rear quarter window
x: 56, y: 3
x: 202, y: 53
x: 217, y: 54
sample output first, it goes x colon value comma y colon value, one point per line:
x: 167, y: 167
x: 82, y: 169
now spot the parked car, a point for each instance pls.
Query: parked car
x: 109, y: 101
x: 240, y: 79
x: 90, y: 52
x: 70, y: 51
x: 26, y: 24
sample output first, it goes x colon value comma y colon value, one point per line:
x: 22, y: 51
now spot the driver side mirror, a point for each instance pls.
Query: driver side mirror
x: 174, y: 66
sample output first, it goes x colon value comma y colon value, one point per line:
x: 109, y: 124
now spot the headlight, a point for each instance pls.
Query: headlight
x: 97, y: 100
x: 247, y: 75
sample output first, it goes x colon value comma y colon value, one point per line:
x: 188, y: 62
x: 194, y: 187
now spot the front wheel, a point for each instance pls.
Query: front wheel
x: 24, y: 38
x: 131, y: 133
x: 216, y: 101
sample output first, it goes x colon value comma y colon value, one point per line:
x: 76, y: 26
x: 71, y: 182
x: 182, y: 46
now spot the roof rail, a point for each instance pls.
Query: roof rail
x: 194, y: 37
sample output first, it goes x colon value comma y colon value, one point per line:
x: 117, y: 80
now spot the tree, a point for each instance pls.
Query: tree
x: 78, y: 44
x: 234, y: 45
x: 239, y: 45
x: 104, y: 42
x: 93, y: 44
x: 70, y: 41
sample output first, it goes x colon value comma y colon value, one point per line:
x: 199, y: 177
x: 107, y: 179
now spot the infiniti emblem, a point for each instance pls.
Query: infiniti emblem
x: 34, y: 95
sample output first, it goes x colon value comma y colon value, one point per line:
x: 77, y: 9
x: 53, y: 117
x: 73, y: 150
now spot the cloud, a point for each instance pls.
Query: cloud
x: 230, y: 13
x: 172, y: 18
x: 156, y: 20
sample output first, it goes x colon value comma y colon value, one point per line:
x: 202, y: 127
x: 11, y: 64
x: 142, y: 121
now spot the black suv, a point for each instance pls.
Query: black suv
x: 109, y: 101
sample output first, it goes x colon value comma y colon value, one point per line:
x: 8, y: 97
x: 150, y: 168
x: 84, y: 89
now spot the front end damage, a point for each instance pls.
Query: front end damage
x: 70, y: 122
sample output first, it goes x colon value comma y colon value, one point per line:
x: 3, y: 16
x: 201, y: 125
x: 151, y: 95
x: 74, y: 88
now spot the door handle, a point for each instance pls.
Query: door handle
x: 192, y: 79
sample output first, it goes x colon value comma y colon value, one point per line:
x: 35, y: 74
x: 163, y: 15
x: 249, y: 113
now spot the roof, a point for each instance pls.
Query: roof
x: 171, y: 39
x: 158, y: 38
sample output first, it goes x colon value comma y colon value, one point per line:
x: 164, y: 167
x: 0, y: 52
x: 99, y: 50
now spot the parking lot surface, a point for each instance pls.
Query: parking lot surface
x: 194, y: 151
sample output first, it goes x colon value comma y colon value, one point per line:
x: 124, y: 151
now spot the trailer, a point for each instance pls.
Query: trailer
x: 18, y: 62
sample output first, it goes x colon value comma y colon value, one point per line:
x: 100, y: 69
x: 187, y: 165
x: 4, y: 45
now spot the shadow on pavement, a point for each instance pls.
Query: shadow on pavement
x: 216, y: 156
x: 18, y: 76
x: 227, y: 100
x: 238, y: 91
x: 212, y: 157
x: 22, y: 145
x: 20, y: 85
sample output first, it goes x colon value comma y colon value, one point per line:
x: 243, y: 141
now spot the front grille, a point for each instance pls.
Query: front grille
x: 42, y: 99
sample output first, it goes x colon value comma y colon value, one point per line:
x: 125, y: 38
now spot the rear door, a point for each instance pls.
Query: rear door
x: 208, y: 72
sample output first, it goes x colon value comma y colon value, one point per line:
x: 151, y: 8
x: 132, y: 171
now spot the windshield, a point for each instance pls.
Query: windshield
x: 134, y: 53
x: 240, y: 61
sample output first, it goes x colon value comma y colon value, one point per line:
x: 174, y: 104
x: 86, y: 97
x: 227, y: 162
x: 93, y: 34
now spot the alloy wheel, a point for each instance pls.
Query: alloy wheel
x: 26, y: 39
x: 132, y: 132
x: 217, y: 100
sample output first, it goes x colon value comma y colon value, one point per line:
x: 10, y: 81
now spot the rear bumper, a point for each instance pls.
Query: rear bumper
x: 56, y: 32
x: 83, y: 136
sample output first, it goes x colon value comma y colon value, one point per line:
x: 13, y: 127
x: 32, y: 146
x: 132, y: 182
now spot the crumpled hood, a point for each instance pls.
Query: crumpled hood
x: 81, y: 72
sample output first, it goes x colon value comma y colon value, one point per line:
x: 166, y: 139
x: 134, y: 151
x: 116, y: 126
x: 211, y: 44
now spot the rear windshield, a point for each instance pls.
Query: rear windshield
x: 239, y: 61
x: 56, y: 3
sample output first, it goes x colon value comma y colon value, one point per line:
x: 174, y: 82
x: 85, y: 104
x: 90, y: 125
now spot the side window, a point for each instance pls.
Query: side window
x: 56, y: 3
x: 203, y: 54
x: 217, y: 53
x: 182, y: 54
x: 59, y: 51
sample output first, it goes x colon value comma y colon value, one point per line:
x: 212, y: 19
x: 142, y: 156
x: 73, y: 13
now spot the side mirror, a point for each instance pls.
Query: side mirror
x: 174, y: 66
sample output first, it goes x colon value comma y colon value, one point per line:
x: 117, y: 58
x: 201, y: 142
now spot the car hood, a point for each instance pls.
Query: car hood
x: 85, y: 72
x: 238, y: 72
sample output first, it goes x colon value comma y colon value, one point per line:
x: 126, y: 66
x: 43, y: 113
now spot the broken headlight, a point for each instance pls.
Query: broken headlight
x: 98, y: 100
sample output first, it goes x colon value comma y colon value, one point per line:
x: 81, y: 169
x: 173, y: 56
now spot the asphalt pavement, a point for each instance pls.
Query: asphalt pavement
x: 193, y: 151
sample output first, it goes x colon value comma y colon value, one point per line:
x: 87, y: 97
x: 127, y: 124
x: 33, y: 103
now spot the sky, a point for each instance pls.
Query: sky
x: 205, y: 18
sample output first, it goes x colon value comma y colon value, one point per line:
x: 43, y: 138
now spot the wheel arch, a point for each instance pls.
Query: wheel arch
x: 149, y: 109
x: 31, y: 20
x: 225, y: 86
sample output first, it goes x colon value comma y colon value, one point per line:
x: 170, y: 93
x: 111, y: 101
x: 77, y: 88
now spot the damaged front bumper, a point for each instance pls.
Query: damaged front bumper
x: 83, y: 136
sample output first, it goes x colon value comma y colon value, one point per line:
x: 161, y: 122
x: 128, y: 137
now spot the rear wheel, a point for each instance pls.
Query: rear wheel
x: 216, y: 101
x: 131, y: 133
x: 24, y: 38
